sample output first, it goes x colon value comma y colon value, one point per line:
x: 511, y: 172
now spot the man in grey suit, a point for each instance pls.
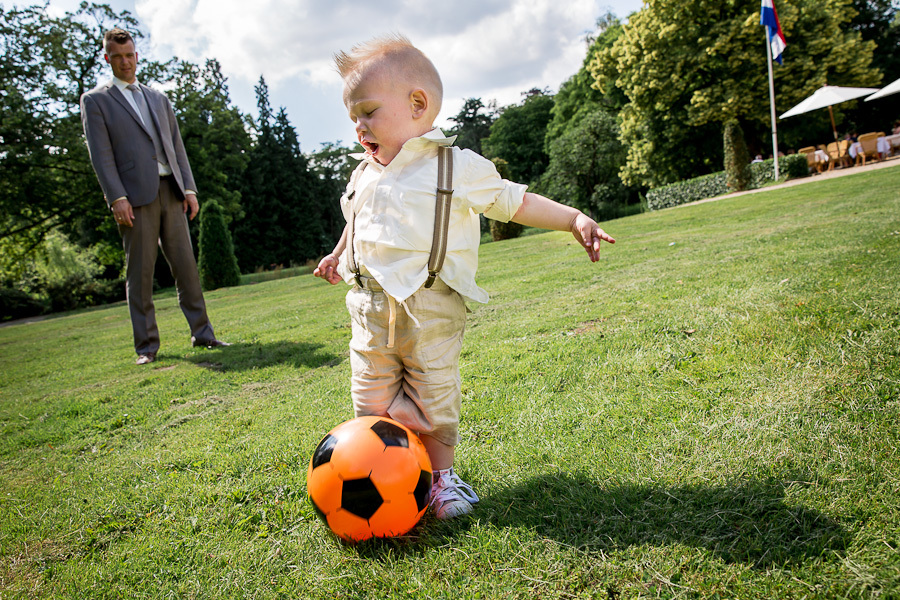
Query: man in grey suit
x: 140, y: 161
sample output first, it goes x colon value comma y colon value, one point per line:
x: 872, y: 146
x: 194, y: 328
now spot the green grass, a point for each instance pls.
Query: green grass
x: 275, y: 274
x: 711, y: 411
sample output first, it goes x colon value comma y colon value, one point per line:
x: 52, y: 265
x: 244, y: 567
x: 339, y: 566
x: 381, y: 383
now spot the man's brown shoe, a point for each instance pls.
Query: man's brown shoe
x: 146, y: 359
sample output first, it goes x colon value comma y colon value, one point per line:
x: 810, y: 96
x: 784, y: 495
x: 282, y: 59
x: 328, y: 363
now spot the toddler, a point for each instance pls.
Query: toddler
x: 407, y: 331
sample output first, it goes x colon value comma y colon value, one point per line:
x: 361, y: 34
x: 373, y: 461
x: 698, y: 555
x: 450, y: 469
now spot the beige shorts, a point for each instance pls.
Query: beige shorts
x: 416, y: 381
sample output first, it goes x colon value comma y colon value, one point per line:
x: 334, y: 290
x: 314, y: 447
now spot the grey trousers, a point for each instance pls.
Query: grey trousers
x: 162, y: 224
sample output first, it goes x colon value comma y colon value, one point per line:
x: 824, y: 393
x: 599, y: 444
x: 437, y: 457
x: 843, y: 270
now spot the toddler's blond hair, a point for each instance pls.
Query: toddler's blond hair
x: 402, y: 61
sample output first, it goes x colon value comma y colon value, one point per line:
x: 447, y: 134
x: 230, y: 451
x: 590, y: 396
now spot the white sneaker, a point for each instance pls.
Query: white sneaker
x: 451, y: 496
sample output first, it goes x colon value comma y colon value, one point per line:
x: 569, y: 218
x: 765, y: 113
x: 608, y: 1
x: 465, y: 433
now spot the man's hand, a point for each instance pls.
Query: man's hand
x: 123, y: 212
x: 191, y: 206
x: 327, y: 269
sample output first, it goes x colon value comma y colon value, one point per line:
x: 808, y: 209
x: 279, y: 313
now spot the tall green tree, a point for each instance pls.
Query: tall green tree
x: 473, y: 124
x: 583, y: 137
x: 688, y: 66
x: 517, y: 136
x: 878, y: 21
x: 584, y: 167
x: 580, y: 95
x: 332, y: 166
x: 282, y: 223
x: 46, y: 180
x: 215, y: 134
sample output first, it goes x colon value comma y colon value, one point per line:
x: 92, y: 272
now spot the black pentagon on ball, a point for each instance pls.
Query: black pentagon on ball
x: 361, y: 497
x: 391, y: 434
x: 323, y: 451
x: 422, y: 493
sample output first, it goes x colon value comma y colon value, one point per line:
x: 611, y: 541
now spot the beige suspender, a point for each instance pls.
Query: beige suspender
x: 441, y: 213
x: 441, y: 218
x: 351, y: 259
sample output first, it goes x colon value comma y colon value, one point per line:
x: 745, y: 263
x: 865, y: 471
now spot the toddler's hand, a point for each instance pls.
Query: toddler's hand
x: 327, y: 269
x: 589, y: 235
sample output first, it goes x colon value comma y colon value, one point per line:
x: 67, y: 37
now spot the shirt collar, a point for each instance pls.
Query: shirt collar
x: 122, y: 85
x: 433, y: 137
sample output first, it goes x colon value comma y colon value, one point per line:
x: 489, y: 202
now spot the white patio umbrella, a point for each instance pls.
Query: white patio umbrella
x: 826, y: 96
x: 891, y: 88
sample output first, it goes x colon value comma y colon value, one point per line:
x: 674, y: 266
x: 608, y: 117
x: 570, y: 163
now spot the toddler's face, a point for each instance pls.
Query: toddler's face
x: 385, y: 115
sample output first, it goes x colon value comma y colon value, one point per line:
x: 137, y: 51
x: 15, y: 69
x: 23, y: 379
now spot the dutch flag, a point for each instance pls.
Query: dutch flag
x: 769, y: 18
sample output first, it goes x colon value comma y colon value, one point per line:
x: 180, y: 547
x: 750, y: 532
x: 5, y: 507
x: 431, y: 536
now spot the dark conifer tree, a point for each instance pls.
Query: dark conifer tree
x: 218, y: 266
x: 282, y: 224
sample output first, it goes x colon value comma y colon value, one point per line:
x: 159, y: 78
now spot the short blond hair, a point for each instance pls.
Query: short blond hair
x: 396, y: 54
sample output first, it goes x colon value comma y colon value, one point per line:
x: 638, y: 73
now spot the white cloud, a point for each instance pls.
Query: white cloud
x: 493, y: 43
x: 492, y: 49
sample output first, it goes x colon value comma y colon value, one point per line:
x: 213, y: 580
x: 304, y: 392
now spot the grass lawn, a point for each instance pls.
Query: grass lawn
x: 711, y: 411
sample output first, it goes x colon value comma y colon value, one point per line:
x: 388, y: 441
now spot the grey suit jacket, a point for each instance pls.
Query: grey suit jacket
x: 121, y: 148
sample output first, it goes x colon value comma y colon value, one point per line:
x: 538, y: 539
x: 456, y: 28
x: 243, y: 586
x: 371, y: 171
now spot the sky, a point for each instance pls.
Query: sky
x: 488, y: 49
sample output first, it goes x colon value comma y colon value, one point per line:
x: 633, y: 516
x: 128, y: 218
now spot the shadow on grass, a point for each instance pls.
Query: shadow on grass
x: 745, y: 522
x: 243, y: 357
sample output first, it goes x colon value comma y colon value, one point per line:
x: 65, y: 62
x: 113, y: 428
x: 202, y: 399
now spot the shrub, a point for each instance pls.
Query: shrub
x: 78, y: 291
x: 737, y: 158
x: 691, y: 190
x: 714, y: 184
x: 499, y: 230
x: 762, y: 173
x: 795, y: 166
x: 218, y: 266
x: 504, y: 231
x: 17, y: 304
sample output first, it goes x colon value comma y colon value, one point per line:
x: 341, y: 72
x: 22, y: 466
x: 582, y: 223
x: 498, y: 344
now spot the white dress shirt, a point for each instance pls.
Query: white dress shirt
x: 164, y: 169
x: 395, y: 207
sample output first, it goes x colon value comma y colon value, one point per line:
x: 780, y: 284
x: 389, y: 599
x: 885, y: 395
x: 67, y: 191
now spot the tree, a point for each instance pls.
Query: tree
x: 517, y: 136
x: 217, y: 266
x: 579, y: 96
x: 46, y: 180
x: 584, y: 167
x: 282, y: 224
x: 878, y: 21
x: 688, y: 66
x: 473, y: 124
x: 214, y: 132
x: 332, y: 166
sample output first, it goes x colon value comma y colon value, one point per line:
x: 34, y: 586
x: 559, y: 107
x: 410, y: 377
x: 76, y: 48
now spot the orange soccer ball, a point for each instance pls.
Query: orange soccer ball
x: 370, y: 477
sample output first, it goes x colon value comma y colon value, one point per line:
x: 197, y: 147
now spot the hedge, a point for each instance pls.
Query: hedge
x: 715, y: 184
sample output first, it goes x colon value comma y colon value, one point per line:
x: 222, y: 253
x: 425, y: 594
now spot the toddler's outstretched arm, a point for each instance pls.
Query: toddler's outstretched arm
x: 538, y: 211
x: 327, y: 268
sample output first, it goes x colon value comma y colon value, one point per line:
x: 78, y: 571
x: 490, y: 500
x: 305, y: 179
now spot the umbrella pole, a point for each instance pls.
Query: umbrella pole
x: 833, y: 128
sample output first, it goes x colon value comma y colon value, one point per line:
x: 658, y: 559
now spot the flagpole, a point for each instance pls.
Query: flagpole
x: 772, y: 101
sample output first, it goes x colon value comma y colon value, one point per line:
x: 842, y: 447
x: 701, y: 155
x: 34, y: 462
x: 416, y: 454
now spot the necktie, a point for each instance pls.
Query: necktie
x: 148, y: 122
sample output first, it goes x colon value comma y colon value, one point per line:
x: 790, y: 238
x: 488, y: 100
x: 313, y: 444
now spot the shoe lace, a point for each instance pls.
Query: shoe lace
x: 451, y: 487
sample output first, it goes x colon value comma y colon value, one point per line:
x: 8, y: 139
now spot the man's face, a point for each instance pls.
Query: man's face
x: 386, y: 116
x: 123, y: 60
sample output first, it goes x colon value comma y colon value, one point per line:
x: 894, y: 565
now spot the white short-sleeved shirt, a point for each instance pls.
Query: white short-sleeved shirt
x: 395, y: 206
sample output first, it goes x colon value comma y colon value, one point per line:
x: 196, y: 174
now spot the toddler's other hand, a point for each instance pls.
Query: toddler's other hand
x: 590, y: 236
x: 327, y: 269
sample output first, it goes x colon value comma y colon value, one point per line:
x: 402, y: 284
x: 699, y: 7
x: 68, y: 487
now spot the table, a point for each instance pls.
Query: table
x: 885, y: 145
x: 890, y: 142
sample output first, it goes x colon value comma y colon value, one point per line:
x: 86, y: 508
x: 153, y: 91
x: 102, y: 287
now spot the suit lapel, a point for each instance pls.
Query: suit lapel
x: 116, y: 93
